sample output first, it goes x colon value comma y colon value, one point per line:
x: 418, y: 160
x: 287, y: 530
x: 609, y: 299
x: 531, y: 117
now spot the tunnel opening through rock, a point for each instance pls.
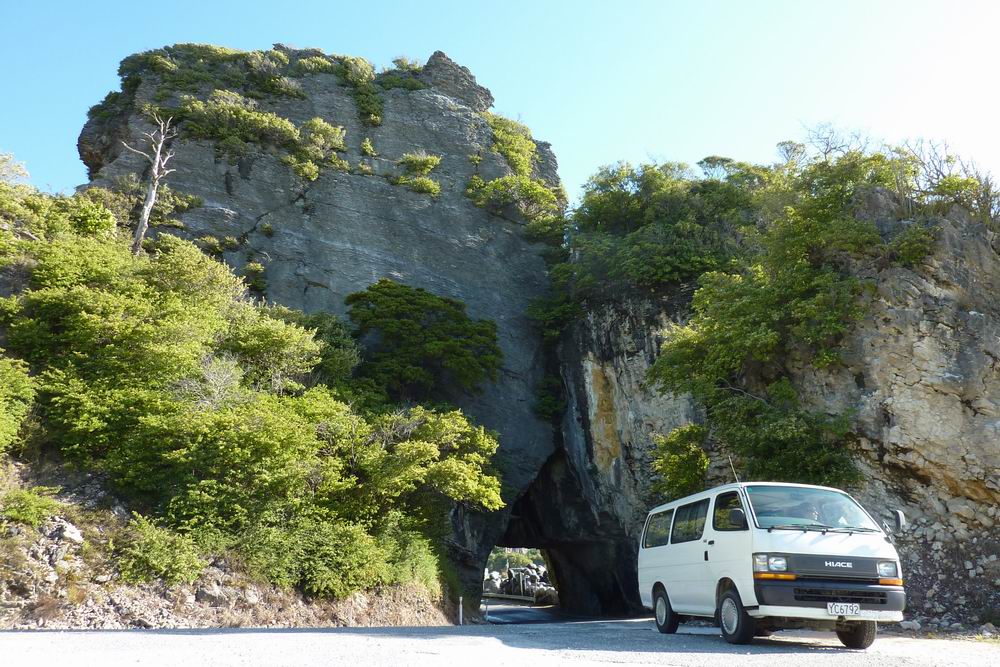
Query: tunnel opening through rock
x: 590, y: 560
x: 522, y: 572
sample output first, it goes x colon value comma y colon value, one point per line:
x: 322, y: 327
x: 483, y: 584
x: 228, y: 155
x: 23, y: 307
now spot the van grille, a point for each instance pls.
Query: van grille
x: 839, y: 595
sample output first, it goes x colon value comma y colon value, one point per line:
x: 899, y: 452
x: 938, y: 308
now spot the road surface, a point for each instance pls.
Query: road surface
x: 521, y: 645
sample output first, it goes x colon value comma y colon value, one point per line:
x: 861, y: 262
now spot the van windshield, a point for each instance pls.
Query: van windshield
x: 796, y: 507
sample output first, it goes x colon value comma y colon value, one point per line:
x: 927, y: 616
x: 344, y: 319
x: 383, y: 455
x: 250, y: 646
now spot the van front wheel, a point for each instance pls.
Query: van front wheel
x: 666, y: 619
x: 859, y: 634
x: 737, y: 625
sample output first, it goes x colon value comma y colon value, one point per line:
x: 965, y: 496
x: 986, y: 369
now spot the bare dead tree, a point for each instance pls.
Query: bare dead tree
x: 156, y: 141
x: 829, y: 142
x: 946, y: 179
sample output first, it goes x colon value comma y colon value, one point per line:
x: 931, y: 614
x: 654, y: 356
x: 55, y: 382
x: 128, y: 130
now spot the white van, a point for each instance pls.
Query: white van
x: 764, y: 556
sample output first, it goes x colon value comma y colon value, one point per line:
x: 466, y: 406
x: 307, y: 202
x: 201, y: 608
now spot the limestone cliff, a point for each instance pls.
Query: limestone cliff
x: 920, y: 374
x: 324, y: 239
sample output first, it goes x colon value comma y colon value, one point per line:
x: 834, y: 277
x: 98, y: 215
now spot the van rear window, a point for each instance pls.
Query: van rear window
x: 690, y: 523
x: 657, y: 530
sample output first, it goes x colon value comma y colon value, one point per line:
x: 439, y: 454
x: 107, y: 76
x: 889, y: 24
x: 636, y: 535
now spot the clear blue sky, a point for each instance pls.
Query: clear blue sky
x: 602, y: 81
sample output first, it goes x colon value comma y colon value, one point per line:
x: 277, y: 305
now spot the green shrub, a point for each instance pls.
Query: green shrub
x: 531, y: 198
x: 316, y: 148
x: 267, y: 229
x: 307, y: 170
x: 319, y: 138
x: 548, y: 229
x: 410, y: 556
x: 407, y: 64
x: 778, y: 440
x: 29, y: 506
x: 422, y: 184
x: 513, y: 140
x: 124, y: 199
x: 314, y: 65
x: 680, y: 461
x: 326, y: 558
x: 425, y: 342
x: 341, y: 558
x: 359, y: 74
x: 338, y: 353
x: 17, y: 395
x: 211, y: 245
x: 367, y: 148
x: 550, y: 400
x: 254, y: 274
x: 233, y: 121
x: 419, y: 164
x: 913, y: 244
x: 147, y: 552
x: 191, y: 68
x: 106, y: 108
x: 390, y: 80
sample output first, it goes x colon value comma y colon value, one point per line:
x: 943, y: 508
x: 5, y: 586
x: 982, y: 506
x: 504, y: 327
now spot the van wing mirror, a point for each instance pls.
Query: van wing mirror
x: 737, y: 518
x: 900, y: 519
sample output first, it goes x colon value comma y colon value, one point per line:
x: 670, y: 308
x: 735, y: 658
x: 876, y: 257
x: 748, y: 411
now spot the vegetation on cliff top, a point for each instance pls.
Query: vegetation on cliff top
x: 214, y: 92
x: 233, y: 427
x: 532, y: 198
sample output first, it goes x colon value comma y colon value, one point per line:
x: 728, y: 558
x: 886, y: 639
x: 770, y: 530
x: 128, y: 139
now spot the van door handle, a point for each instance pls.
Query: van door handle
x: 706, y: 555
x: 711, y: 542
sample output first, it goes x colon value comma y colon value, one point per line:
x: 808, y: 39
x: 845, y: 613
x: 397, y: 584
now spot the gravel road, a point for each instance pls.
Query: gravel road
x: 571, y: 643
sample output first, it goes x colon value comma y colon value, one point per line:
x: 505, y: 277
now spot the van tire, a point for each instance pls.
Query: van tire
x: 859, y: 634
x: 736, y: 624
x: 663, y: 610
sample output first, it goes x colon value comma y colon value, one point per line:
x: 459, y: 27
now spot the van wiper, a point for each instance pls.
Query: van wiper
x: 800, y: 526
x: 853, y: 529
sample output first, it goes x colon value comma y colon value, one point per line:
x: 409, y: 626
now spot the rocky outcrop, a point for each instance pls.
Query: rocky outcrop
x: 455, y: 81
x: 322, y: 240
x: 589, y: 503
x: 920, y: 375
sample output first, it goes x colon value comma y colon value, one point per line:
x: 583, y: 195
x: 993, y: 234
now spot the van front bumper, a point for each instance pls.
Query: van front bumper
x: 777, y: 611
x: 807, y: 598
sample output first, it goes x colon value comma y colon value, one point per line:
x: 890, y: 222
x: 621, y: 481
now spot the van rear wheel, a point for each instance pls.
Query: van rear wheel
x: 666, y: 619
x: 859, y: 634
x: 736, y: 624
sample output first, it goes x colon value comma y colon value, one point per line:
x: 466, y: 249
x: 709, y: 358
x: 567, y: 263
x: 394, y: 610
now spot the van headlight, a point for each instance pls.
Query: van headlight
x: 888, y: 569
x: 769, y: 563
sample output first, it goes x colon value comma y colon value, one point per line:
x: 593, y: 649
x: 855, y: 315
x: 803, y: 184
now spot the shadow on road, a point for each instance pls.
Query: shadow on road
x: 637, y: 635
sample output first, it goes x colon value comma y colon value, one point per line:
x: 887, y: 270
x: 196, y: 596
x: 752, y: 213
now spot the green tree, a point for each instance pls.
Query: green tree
x: 420, y: 345
x: 17, y: 394
x: 680, y: 461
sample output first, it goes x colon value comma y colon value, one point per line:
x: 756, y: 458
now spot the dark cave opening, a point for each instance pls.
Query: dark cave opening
x: 592, y: 562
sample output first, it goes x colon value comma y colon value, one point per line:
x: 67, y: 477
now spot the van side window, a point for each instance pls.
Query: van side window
x: 720, y: 516
x: 657, y: 529
x: 690, y: 523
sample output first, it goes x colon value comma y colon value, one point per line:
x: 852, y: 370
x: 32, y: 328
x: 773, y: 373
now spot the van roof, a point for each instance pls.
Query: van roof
x: 731, y: 486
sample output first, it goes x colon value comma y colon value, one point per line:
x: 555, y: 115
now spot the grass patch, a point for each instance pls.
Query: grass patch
x: 30, y: 507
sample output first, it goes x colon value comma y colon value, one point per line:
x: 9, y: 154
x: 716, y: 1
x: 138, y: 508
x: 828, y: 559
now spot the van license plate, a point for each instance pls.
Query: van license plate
x: 843, y: 608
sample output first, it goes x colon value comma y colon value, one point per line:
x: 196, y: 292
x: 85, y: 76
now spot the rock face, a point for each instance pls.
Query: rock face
x: 588, y: 505
x: 323, y: 240
x: 456, y: 81
x: 921, y: 375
